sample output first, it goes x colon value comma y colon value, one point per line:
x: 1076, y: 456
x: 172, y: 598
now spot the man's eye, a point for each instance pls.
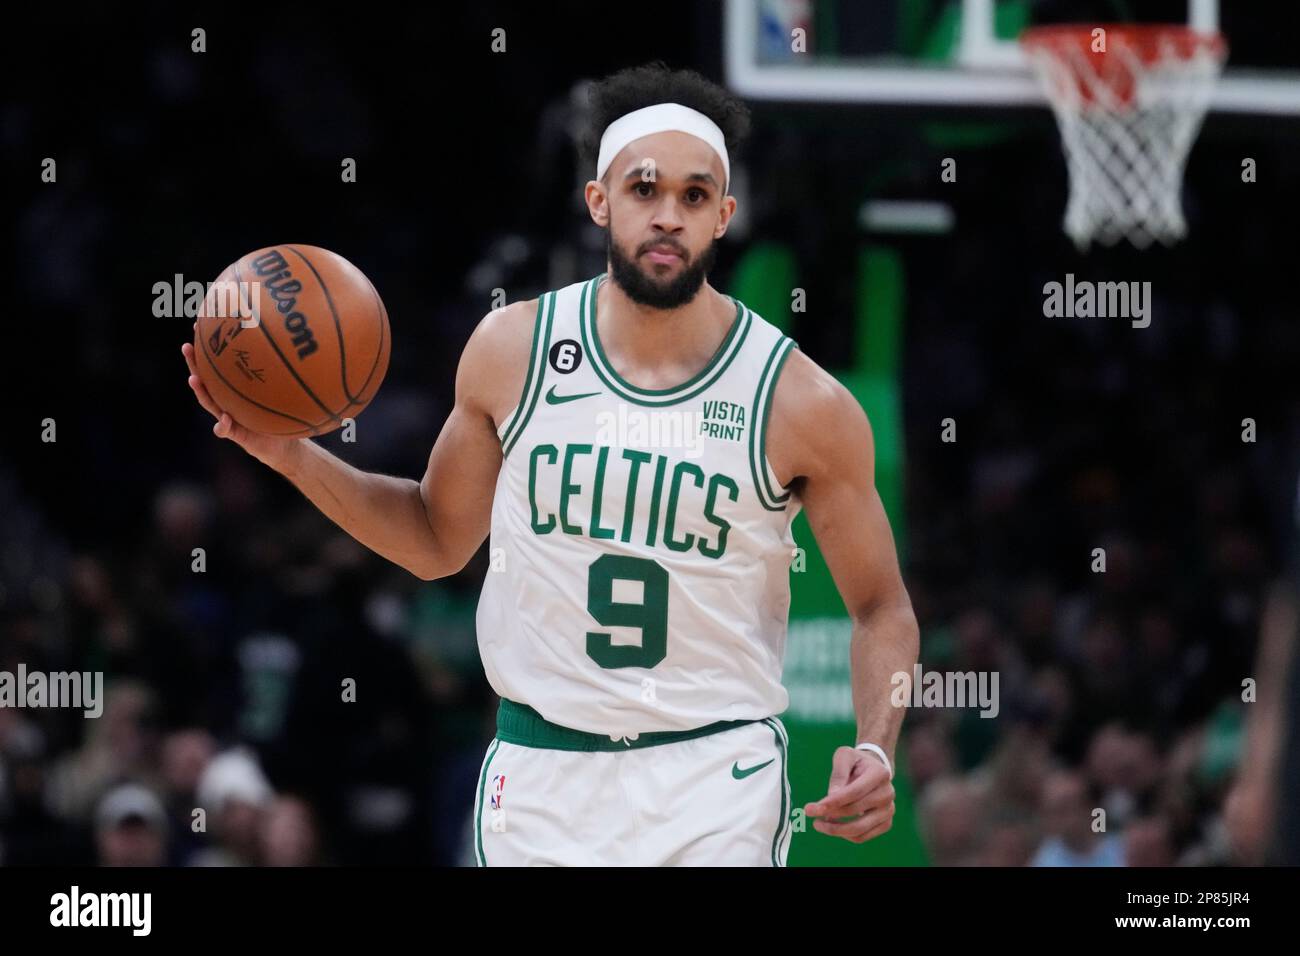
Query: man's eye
x: 642, y: 185
x: 698, y: 194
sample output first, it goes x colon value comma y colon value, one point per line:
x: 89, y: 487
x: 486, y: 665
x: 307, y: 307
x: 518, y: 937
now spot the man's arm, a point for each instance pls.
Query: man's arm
x: 820, y: 444
x: 431, y: 527
x: 459, y: 483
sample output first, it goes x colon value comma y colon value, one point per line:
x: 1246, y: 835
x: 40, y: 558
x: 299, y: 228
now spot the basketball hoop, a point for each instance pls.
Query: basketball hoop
x: 1129, y: 101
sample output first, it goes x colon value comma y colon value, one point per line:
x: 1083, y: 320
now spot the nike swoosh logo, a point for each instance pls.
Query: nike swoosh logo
x: 742, y: 774
x: 553, y: 399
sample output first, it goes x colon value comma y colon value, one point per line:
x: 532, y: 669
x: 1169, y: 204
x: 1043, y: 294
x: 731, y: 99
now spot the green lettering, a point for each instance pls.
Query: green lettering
x: 650, y: 615
x: 597, y: 495
x: 637, y: 458
x: 568, y: 488
x: 654, y: 501
x: 683, y: 467
x: 722, y: 524
x: 537, y: 452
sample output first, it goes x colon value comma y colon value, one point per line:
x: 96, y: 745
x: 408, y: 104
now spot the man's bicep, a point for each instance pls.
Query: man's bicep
x: 460, y: 481
x: 458, y: 485
x: 846, y: 514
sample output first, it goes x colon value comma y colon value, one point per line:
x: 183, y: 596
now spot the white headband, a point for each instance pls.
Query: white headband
x: 661, y: 118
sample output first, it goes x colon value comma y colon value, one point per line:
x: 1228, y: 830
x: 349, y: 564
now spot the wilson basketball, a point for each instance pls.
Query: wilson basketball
x: 291, y: 340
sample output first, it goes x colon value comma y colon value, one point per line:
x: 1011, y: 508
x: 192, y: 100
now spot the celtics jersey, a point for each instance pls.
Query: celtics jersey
x: 640, y: 545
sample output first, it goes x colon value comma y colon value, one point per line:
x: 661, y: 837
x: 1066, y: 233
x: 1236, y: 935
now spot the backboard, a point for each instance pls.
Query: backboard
x: 965, y: 52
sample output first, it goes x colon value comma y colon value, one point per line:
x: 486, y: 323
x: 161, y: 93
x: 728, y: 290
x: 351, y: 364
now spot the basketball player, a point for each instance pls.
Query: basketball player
x: 637, y: 446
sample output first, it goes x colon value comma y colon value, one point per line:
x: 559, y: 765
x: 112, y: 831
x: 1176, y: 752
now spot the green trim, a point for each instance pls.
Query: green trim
x: 722, y: 357
x: 478, y: 804
x: 520, y: 724
x: 544, y: 334
x: 789, y: 796
x: 762, y: 409
x: 528, y: 378
x: 767, y: 414
x: 784, y: 822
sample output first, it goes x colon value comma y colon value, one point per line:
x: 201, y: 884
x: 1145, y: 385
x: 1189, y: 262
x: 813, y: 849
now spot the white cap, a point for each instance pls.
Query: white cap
x: 233, y: 775
x: 126, y: 801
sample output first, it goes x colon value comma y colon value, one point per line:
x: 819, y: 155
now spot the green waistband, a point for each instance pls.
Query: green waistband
x: 520, y: 724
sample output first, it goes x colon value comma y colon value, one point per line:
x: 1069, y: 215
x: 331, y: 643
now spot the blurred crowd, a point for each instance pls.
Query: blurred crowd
x: 1114, y: 532
x: 296, y: 701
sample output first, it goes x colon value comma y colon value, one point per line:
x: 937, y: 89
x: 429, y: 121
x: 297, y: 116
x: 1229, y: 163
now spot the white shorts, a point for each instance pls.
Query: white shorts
x: 722, y: 799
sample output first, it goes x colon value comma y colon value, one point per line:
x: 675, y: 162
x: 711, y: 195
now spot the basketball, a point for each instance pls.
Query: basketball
x: 291, y: 340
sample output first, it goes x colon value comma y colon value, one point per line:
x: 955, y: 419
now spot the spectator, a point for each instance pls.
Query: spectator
x: 1068, y: 819
x: 235, y: 795
x: 130, y: 828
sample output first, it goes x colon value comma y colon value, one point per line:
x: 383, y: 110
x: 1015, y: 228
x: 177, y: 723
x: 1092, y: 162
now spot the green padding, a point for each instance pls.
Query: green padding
x: 878, y: 311
x: 814, y: 595
x: 880, y: 399
x: 764, y: 280
x: 881, y: 303
x: 874, y: 382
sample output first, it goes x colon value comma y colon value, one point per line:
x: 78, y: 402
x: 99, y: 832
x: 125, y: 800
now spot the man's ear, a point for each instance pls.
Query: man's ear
x: 725, y: 213
x: 597, y: 199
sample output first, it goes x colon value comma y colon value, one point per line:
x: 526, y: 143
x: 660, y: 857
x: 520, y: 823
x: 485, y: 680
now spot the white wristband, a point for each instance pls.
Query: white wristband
x: 879, y: 753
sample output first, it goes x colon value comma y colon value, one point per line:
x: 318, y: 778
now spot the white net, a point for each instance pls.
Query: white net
x: 1128, y: 115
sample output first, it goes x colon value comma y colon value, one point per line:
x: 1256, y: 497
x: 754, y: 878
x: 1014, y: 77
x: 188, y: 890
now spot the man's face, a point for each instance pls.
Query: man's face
x: 666, y: 212
x: 132, y: 843
x: 1065, y: 809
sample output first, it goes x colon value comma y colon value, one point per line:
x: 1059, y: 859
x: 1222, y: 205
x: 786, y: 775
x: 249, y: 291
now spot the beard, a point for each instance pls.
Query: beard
x: 654, y: 293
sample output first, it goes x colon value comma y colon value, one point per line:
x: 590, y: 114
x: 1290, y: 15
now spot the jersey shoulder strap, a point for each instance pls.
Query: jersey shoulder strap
x: 556, y: 311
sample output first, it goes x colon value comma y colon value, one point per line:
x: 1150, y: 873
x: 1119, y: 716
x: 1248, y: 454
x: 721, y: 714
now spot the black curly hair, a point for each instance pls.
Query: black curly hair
x: 637, y: 87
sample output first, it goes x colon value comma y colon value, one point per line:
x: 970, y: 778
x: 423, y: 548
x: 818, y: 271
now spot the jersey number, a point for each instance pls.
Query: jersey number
x: 650, y: 615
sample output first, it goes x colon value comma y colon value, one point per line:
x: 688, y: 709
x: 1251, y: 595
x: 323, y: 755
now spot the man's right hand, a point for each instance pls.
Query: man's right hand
x: 273, y: 451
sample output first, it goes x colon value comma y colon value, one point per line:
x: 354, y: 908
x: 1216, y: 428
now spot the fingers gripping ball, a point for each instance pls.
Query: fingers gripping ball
x: 291, y: 340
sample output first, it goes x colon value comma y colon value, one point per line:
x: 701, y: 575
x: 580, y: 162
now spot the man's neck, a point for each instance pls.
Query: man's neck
x: 660, y: 348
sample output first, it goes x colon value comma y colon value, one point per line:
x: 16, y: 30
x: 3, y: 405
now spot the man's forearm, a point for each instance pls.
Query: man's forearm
x: 884, y: 643
x: 384, y: 513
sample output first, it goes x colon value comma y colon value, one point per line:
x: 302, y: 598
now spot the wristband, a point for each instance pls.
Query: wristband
x: 879, y: 753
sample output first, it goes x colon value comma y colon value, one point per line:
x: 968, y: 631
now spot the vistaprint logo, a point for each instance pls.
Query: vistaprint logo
x: 76, y: 690
x: 1086, y: 300
x: 75, y: 908
x: 684, y: 430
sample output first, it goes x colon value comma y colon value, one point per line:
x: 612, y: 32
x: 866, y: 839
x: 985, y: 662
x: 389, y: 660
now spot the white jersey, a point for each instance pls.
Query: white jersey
x: 641, y: 545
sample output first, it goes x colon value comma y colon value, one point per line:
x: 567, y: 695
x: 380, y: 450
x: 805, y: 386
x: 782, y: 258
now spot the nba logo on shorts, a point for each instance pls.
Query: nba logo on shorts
x: 498, y: 787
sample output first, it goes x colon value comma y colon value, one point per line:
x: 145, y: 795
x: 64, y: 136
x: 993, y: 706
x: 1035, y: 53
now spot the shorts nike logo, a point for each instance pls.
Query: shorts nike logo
x: 553, y: 399
x: 742, y: 774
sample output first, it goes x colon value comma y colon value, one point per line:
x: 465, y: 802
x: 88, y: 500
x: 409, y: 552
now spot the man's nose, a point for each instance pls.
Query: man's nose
x: 668, y: 215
